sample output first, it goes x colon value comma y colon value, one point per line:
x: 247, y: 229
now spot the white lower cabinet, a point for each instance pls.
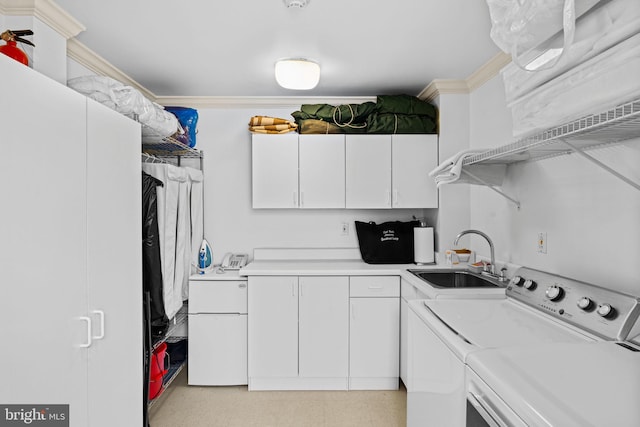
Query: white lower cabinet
x: 374, y: 333
x: 217, y: 331
x: 298, y: 332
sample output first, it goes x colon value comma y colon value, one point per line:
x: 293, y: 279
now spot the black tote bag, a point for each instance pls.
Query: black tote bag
x: 386, y: 243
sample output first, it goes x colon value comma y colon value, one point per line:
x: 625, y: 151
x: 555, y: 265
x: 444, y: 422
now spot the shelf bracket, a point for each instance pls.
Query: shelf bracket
x: 602, y: 165
x: 511, y: 199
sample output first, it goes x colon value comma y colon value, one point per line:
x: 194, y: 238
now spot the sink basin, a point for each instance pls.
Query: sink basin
x: 455, y: 279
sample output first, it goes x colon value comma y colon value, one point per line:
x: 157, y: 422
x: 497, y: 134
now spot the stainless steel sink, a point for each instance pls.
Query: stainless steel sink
x: 456, y: 279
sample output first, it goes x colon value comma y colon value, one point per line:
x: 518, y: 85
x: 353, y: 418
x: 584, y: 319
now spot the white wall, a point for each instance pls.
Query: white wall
x: 454, y: 208
x: 231, y: 225
x: 591, y: 218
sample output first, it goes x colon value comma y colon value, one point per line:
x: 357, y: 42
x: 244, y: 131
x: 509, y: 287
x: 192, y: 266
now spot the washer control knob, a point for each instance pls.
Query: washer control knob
x: 555, y: 293
x: 530, y: 285
x: 585, y: 303
x: 606, y: 311
x: 517, y: 280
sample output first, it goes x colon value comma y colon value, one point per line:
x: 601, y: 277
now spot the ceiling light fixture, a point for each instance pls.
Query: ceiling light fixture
x: 298, y: 74
x: 296, y: 3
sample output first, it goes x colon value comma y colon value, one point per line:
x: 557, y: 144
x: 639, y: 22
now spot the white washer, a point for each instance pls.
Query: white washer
x: 569, y: 385
x: 540, y: 309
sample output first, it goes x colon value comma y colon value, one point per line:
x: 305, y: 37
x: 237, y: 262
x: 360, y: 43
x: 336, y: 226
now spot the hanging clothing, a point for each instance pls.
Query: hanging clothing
x: 151, y: 261
x: 168, y: 200
x: 196, y: 210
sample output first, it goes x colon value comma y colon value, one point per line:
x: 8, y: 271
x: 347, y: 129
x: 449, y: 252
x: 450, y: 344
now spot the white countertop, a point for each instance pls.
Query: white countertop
x: 328, y: 268
x: 360, y: 268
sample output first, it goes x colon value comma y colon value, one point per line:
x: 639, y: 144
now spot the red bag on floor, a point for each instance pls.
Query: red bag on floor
x: 157, y: 371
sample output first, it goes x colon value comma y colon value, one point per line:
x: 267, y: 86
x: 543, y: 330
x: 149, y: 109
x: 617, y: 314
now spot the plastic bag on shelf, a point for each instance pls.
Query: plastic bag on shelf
x: 128, y: 101
x: 188, y: 119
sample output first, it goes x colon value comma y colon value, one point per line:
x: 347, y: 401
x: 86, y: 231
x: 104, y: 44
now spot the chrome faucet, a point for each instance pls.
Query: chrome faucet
x: 492, y: 268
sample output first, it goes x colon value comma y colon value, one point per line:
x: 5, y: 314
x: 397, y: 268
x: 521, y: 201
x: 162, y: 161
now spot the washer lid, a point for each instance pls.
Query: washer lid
x: 501, y: 323
x: 585, y: 384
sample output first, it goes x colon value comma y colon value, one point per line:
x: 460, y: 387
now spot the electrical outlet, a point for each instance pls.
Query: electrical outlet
x: 345, y: 229
x: 542, y: 242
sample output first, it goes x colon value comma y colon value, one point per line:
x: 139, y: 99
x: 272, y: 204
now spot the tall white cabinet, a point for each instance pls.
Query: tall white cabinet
x: 70, y: 252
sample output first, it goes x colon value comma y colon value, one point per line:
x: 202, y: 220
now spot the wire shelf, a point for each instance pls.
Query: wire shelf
x: 157, y: 145
x: 612, y: 126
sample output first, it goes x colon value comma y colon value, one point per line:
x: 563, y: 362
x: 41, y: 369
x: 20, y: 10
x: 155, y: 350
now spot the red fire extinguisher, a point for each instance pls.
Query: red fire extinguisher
x: 11, y: 49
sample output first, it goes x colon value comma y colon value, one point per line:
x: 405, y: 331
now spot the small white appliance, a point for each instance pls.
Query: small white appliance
x: 539, y: 309
x: 217, y: 329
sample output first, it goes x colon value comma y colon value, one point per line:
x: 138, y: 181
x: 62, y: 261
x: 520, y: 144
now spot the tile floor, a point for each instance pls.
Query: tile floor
x: 189, y: 406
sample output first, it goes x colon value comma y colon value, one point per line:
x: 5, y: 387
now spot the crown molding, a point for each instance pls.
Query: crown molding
x: 479, y: 77
x: 441, y: 87
x: 256, y: 101
x: 488, y: 71
x: 46, y: 11
x: 94, y: 62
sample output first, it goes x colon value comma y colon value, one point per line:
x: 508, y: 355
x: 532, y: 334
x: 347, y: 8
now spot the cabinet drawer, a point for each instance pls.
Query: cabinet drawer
x: 374, y: 286
x: 210, y: 296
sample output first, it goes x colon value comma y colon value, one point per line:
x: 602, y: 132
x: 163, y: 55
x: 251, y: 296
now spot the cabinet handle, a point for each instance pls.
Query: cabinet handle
x: 375, y: 287
x: 301, y: 198
x: 293, y: 289
x: 88, y: 320
x: 353, y: 312
x: 395, y: 198
x: 387, y: 200
x: 100, y: 314
x: 295, y: 198
x: 242, y: 285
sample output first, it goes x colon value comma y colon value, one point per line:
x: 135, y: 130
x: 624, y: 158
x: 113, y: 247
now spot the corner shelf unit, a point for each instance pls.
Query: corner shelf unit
x: 616, y: 125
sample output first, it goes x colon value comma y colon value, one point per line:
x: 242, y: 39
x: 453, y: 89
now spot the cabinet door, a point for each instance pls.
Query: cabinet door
x: 374, y: 338
x: 114, y: 265
x: 322, y: 171
x: 273, y: 327
x: 413, y: 157
x: 324, y: 327
x: 368, y: 165
x: 275, y: 170
x: 43, y: 300
x: 217, y: 349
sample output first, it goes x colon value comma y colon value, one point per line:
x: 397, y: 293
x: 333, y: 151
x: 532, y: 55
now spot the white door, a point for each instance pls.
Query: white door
x: 274, y: 170
x: 217, y: 349
x: 273, y: 327
x: 43, y: 301
x: 413, y: 157
x: 324, y: 327
x: 368, y: 165
x: 322, y: 171
x: 374, y: 338
x: 114, y: 266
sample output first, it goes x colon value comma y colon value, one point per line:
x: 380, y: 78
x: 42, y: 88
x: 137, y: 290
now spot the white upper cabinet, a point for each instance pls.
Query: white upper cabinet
x: 344, y: 171
x: 322, y: 171
x: 275, y: 170
x: 368, y: 164
x: 412, y: 158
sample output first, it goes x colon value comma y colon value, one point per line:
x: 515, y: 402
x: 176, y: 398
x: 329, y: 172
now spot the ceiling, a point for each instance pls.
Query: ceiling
x: 229, y: 48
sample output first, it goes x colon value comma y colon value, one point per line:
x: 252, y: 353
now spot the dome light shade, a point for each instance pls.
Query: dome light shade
x: 298, y: 74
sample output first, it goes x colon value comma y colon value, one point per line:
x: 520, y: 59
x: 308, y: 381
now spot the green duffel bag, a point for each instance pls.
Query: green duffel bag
x: 405, y: 104
x: 400, y: 123
x: 354, y: 115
